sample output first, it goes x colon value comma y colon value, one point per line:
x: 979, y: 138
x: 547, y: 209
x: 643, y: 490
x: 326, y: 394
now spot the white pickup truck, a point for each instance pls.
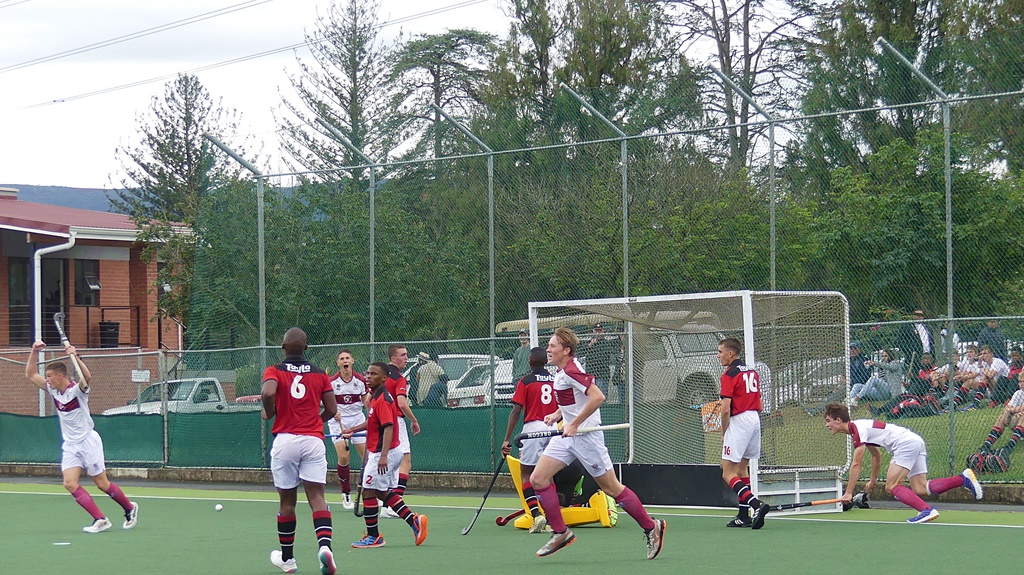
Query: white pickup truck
x: 183, y: 396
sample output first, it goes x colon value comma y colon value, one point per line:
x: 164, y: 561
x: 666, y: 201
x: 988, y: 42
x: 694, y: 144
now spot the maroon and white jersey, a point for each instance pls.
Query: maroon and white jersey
x: 536, y: 394
x: 300, y: 390
x: 570, y: 386
x: 881, y: 434
x: 742, y: 385
x: 349, y: 394
x: 72, y: 412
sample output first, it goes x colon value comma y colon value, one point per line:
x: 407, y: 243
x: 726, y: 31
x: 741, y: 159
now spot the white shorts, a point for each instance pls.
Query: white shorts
x: 403, y: 437
x: 532, y: 449
x: 87, y: 454
x: 298, y: 457
x: 347, y: 422
x: 743, y: 438
x: 376, y: 481
x: 588, y: 448
x: 911, y: 454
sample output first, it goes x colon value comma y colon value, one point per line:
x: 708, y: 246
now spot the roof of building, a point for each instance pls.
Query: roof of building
x: 59, y: 221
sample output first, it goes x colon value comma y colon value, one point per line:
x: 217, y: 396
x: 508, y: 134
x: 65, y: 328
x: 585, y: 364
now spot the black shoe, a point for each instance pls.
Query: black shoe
x: 757, y: 521
x: 738, y: 522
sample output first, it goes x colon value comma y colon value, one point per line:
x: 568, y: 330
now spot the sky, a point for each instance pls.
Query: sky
x: 55, y: 129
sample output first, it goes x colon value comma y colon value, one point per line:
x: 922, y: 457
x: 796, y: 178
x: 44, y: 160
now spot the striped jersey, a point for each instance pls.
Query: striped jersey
x: 879, y: 433
x: 536, y: 394
x: 570, y: 387
x: 300, y: 390
x: 349, y: 394
x: 742, y: 385
x: 72, y: 411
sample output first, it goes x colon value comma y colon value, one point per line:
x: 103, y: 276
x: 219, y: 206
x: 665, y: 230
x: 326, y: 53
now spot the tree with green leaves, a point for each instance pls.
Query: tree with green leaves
x: 167, y: 175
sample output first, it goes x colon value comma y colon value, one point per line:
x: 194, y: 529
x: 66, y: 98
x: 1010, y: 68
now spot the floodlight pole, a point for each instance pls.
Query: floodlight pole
x: 490, y: 244
x: 623, y: 157
x: 261, y: 239
x: 373, y: 226
x: 771, y: 167
x: 949, y: 215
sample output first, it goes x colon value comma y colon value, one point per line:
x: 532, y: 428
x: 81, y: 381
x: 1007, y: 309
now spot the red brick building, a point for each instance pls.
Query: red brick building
x: 100, y: 282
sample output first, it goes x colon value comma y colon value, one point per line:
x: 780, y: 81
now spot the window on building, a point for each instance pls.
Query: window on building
x: 87, y: 282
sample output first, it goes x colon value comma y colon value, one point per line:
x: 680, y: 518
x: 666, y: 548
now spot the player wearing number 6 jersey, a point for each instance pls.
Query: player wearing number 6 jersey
x: 534, y: 392
x: 293, y: 391
x: 741, y: 431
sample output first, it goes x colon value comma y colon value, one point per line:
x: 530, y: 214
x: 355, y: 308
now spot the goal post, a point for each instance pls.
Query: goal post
x: 655, y: 357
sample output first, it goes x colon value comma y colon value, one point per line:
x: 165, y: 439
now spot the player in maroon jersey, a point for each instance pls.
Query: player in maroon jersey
x: 383, y: 457
x: 534, y: 392
x: 293, y: 391
x: 350, y: 393
x: 741, y: 431
x: 398, y: 387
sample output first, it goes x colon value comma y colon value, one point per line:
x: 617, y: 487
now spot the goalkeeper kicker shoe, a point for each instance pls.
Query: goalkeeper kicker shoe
x: 557, y: 541
x: 655, y: 538
x: 98, y: 526
x: 288, y: 566
x: 971, y: 482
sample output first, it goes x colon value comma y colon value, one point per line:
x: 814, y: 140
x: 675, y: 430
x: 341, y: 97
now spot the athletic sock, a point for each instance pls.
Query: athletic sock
x: 403, y: 480
x: 531, y: 499
x: 958, y: 398
x: 1018, y: 434
x: 552, y: 510
x: 979, y: 394
x: 630, y: 503
x: 370, y: 509
x: 83, y: 498
x: 906, y: 496
x: 993, y: 436
x: 397, y: 504
x: 743, y: 510
x: 322, y: 526
x: 286, y: 535
x: 937, y: 486
x: 116, y: 494
x: 743, y: 492
x: 344, y: 478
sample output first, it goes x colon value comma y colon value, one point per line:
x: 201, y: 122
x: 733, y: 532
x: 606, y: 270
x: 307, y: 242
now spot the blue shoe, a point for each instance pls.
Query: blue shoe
x: 369, y: 541
x: 971, y: 483
x: 925, y: 516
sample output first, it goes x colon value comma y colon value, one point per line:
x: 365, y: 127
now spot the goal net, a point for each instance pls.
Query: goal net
x: 655, y: 359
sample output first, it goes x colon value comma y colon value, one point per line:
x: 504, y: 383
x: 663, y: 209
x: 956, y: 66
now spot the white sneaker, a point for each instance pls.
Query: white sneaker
x: 346, y: 501
x: 387, y: 513
x: 98, y: 526
x: 327, y: 566
x: 288, y: 566
x: 131, y: 517
x: 540, y: 524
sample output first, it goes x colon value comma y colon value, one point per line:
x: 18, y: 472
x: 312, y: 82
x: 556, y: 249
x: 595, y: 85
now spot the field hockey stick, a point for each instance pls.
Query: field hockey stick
x: 786, y: 506
x: 494, y: 479
x: 555, y: 432
x: 336, y: 435
x: 503, y: 521
x: 58, y: 320
x: 358, y: 509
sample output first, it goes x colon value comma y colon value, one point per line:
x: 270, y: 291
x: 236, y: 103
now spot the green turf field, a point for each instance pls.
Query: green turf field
x: 179, y: 532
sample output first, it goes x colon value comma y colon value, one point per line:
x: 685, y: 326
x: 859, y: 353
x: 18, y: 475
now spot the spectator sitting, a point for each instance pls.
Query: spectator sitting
x: 859, y: 374
x: 1012, y: 414
x: 995, y: 376
x: 940, y: 375
x: 993, y: 337
x: 1016, y: 363
x: 887, y: 384
x: 921, y: 383
x: 968, y: 382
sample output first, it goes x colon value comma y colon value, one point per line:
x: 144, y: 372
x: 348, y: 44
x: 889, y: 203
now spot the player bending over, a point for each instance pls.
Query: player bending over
x: 82, y: 447
x: 579, y: 401
x: 534, y: 393
x: 909, y: 459
x: 350, y: 394
x: 383, y: 458
x: 292, y: 393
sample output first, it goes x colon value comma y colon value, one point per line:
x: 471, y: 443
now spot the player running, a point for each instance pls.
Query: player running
x: 298, y: 453
x: 579, y: 401
x: 380, y: 472
x: 534, y: 393
x: 82, y: 447
x: 398, y: 388
x: 909, y: 459
x: 741, y: 431
x: 350, y: 393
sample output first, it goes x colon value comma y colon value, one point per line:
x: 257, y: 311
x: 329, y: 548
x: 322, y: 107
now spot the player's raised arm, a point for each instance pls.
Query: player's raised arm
x: 86, y: 374
x: 32, y: 365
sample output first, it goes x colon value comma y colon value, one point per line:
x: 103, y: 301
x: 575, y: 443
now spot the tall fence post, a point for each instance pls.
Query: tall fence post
x: 948, y: 177
x: 623, y: 157
x: 373, y: 227
x: 771, y: 168
x: 490, y: 253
